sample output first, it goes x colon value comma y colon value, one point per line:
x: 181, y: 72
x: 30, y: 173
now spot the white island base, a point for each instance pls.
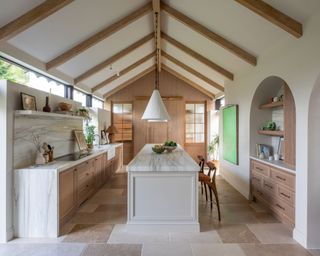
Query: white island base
x: 163, y: 192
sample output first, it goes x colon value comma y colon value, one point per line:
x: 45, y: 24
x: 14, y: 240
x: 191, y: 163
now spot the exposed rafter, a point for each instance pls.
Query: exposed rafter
x: 226, y: 44
x: 198, y: 56
x: 32, y: 17
x: 188, y: 81
x: 157, y: 29
x: 273, y: 15
x: 103, y: 34
x: 192, y: 71
x: 130, y: 81
x: 113, y: 58
x: 122, y: 72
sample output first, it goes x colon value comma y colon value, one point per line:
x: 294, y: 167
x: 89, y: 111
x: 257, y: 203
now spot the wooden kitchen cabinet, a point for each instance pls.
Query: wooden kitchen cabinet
x: 99, y: 171
x: 67, y: 194
x: 86, y: 184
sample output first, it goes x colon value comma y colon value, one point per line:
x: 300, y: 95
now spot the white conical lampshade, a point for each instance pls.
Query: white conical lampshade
x: 156, y: 110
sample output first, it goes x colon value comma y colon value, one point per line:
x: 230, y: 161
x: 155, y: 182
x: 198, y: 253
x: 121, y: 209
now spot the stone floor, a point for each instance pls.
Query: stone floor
x: 98, y: 229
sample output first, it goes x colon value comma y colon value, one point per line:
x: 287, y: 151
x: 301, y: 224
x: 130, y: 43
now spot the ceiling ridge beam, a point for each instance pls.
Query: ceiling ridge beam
x: 193, y: 71
x: 198, y: 56
x: 273, y: 15
x: 122, y: 72
x: 188, y: 81
x: 96, y: 38
x: 113, y: 58
x: 31, y: 17
x: 226, y: 44
x: 157, y: 29
x: 129, y: 81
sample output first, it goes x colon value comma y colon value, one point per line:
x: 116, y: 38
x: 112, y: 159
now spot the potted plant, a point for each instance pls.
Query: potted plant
x: 213, y: 147
x: 90, y: 135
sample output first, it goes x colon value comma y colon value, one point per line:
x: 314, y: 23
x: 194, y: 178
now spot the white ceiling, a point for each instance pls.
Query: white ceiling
x: 81, y: 19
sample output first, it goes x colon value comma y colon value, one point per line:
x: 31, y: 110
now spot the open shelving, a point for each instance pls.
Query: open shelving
x: 40, y: 114
x: 271, y: 133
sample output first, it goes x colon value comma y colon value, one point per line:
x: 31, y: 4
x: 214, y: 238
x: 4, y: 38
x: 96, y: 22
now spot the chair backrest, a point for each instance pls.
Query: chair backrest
x: 201, y: 162
x: 213, y: 170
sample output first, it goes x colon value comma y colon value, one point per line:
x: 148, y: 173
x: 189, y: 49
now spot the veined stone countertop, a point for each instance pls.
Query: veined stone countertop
x: 148, y: 161
x: 64, y: 165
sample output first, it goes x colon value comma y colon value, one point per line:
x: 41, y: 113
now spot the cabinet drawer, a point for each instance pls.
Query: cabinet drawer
x: 269, y: 186
x: 283, y: 178
x: 286, y: 195
x: 256, y: 180
x: 283, y: 208
x: 85, y: 191
x: 261, y: 169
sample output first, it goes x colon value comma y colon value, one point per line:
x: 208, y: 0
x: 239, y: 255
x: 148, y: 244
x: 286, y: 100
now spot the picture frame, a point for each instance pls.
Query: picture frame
x: 81, y: 140
x: 28, y: 102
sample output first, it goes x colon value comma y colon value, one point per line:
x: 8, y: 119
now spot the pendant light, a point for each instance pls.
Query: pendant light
x: 156, y: 110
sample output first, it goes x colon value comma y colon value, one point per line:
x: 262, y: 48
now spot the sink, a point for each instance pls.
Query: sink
x: 111, y: 152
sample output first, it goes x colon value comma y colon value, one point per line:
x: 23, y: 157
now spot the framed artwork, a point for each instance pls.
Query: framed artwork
x: 28, y: 101
x: 230, y: 119
x: 81, y: 140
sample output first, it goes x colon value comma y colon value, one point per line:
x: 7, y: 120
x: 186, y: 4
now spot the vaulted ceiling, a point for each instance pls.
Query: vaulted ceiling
x: 101, y: 46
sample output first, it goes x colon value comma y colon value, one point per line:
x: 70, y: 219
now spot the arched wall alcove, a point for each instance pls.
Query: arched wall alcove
x: 313, y: 231
x: 269, y: 88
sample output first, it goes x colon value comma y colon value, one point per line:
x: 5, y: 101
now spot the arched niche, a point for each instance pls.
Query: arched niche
x: 313, y: 235
x: 284, y: 117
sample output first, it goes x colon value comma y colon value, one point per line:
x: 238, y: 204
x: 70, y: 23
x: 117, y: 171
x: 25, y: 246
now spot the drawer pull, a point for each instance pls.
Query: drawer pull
x: 255, y: 178
x: 268, y: 186
x: 260, y: 169
x: 285, y: 195
x: 280, y: 178
x: 279, y: 206
x: 87, y: 173
x: 87, y: 186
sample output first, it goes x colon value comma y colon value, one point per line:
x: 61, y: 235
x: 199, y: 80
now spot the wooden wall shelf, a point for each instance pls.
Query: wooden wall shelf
x: 40, y: 114
x: 271, y: 105
x: 271, y: 133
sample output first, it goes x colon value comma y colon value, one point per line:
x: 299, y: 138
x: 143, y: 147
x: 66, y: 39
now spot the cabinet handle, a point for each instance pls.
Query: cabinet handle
x: 279, y: 206
x: 255, y: 178
x: 285, y: 195
x: 268, y: 186
x: 87, y: 173
x: 87, y: 162
x: 258, y: 168
x: 87, y: 186
x: 280, y: 178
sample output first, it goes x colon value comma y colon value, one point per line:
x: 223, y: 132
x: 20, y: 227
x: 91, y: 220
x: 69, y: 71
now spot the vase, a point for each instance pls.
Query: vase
x: 40, y: 159
x: 47, y: 108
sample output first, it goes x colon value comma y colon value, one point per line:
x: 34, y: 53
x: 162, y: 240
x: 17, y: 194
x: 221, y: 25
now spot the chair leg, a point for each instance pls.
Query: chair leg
x: 217, y: 201
x: 202, y: 188
x: 205, y: 190
x: 211, y: 201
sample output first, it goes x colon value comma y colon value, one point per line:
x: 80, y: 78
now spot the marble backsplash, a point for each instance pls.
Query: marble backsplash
x: 55, y: 132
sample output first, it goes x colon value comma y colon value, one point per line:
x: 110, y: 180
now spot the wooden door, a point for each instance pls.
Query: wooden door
x: 67, y: 193
x: 157, y: 133
x: 139, y: 126
x: 175, y: 109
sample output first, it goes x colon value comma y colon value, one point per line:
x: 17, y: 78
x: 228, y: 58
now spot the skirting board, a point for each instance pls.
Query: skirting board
x: 300, y: 237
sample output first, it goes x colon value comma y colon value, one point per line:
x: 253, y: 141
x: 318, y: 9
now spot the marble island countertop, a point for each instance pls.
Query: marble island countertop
x: 148, y: 161
x: 59, y: 165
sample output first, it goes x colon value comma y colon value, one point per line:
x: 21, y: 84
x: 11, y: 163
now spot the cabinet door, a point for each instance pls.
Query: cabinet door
x: 67, y: 193
x: 98, y: 171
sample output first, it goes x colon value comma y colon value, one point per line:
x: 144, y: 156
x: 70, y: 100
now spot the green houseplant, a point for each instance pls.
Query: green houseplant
x: 213, y: 147
x: 89, y: 134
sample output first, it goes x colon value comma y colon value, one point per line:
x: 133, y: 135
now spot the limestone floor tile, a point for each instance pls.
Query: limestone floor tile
x: 113, y: 250
x: 216, y: 249
x: 88, y: 207
x: 274, y: 250
x: 118, y: 208
x: 315, y: 252
x: 84, y: 233
x: 207, y: 236
x: 272, y: 233
x: 110, y: 191
x: 98, y: 217
x: 266, y: 217
x: 120, y: 235
x: 232, y: 217
x: 36, y: 240
x: 257, y: 207
x: 12, y: 249
x: 166, y: 249
x: 236, y: 234
x: 107, y: 199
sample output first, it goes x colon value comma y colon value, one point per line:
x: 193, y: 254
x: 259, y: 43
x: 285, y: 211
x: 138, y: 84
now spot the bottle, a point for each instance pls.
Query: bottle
x: 47, y: 108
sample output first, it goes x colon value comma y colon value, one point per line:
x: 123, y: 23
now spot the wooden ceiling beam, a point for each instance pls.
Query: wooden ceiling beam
x: 192, y: 71
x: 103, y: 34
x: 31, y: 17
x: 122, y: 72
x: 130, y: 81
x: 226, y: 44
x: 113, y: 58
x: 274, y: 16
x: 198, y: 56
x: 157, y: 29
x: 188, y: 81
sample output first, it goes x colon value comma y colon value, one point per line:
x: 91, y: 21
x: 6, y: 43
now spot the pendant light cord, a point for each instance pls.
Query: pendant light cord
x: 157, y: 51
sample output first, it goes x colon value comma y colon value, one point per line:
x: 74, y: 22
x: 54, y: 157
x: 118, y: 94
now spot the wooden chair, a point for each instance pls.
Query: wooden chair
x: 211, y: 183
x: 203, y: 177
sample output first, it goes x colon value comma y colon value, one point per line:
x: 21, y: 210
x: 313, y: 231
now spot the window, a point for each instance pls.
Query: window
x: 80, y: 97
x: 96, y: 103
x: 195, y: 123
x: 122, y: 120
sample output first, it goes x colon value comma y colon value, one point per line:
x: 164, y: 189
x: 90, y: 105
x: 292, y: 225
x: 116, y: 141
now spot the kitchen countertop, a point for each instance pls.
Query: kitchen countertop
x: 59, y: 166
x: 278, y: 164
x: 148, y: 161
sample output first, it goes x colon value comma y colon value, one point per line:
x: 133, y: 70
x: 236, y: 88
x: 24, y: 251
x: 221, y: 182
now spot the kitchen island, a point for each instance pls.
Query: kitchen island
x: 163, y: 191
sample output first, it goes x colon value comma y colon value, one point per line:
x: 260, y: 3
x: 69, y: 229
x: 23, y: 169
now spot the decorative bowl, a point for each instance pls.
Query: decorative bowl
x: 158, y: 149
x: 170, y: 148
x: 65, y: 106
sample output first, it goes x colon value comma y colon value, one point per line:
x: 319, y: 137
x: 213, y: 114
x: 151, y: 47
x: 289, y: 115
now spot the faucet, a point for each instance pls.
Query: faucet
x: 99, y: 139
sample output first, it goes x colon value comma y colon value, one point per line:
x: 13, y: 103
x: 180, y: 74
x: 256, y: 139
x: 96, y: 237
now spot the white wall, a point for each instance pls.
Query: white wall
x: 297, y: 61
